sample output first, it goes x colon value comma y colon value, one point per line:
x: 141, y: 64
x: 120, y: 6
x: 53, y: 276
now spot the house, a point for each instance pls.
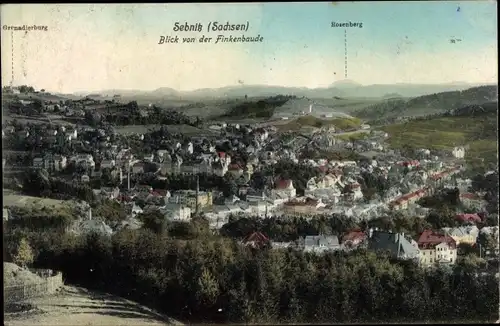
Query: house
x: 109, y: 192
x: 463, y: 234
x: 89, y: 226
x: 138, y: 168
x: 50, y: 162
x: 5, y: 214
x: 191, y: 197
x: 458, y: 152
x: 472, y: 200
x: 85, y: 160
x: 321, y: 243
x: 108, y: 164
x: 395, y: 243
x: 219, y: 168
x: 133, y: 210
x: 353, y: 239
x: 307, y: 206
x: 256, y: 240
x: 176, y: 212
x: 284, y: 189
x: 148, y: 157
x: 436, y: 248
x: 468, y: 218
x: 353, y: 192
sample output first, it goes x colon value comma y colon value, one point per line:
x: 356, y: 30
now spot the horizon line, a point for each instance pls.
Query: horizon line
x: 281, y: 86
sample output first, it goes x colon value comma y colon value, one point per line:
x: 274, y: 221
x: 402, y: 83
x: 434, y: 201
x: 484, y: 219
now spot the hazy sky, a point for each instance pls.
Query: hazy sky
x: 113, y: 46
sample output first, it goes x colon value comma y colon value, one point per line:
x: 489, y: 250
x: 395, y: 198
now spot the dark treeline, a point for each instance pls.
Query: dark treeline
x: 259, y: 109
x: 132, y: 114
x: 215, y: 279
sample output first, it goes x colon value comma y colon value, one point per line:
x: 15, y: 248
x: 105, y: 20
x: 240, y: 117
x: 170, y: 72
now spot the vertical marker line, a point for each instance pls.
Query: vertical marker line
x: 12, y: 58
x: 345, y: 51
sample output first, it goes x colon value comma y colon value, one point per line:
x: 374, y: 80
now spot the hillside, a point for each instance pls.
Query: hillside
x: 477, y: 129
x: 428, y: 104
x: 334, y: 108
x: 312, y: 121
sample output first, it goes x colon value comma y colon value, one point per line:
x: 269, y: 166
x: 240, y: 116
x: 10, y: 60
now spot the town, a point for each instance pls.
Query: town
x: 69, y: 164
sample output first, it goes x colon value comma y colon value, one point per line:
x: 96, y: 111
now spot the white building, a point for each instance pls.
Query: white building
x: 458, y: 152
x: 436, y: 249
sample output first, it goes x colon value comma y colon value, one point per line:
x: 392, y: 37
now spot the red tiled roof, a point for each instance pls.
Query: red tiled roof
x: 353, y: 236
x: 469, y: 217
x: 429, y: 239
x: 159, y: 192
x: 470, y: 196
x: 410, y: 163
x: 221, y: 154
x: 256, y: 237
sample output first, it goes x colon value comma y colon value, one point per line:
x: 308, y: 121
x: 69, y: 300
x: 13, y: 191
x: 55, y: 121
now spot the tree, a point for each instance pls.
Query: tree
x: 207, y: 288
x: 24, y: 255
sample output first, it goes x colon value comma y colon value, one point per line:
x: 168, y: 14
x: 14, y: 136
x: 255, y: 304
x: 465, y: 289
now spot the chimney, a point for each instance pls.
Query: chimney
x: 370, y: 233
x: 90, y: 213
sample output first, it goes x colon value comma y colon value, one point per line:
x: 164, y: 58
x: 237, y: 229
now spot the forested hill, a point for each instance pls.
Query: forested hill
x: 428, y: 104
x: 489, y: 108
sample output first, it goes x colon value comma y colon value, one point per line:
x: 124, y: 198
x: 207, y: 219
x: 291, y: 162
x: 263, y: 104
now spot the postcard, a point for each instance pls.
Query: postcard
x: 250, y: 163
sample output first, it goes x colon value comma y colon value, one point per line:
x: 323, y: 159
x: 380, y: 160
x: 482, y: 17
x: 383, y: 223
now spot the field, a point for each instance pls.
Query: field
x: 446, y: 133
x: 56, y: 119
x: 12, y: 199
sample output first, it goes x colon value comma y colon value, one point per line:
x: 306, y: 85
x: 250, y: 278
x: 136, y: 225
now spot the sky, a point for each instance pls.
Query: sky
x: 115, y: 46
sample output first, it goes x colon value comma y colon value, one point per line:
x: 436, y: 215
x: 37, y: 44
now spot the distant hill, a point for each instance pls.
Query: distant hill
x: 344, y: 89
x: 428, y: 104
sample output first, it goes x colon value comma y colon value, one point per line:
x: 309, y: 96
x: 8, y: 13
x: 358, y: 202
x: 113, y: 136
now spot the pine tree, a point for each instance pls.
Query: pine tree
x: 24, y: 255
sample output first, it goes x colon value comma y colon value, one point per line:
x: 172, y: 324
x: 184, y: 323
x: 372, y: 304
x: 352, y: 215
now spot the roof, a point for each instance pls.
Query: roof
x: 470, y: 196
x: 159, y: 192
x: 469, y: 217
x: 396, y: 243
x: 429, y: 239
x: 461, y: 231
x: 256, y: 237
x: 353, y: 236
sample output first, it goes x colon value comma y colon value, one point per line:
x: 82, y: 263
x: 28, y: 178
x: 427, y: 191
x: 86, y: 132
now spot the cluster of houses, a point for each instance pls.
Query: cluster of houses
x: 337, y: 190
x: 432, y: 247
